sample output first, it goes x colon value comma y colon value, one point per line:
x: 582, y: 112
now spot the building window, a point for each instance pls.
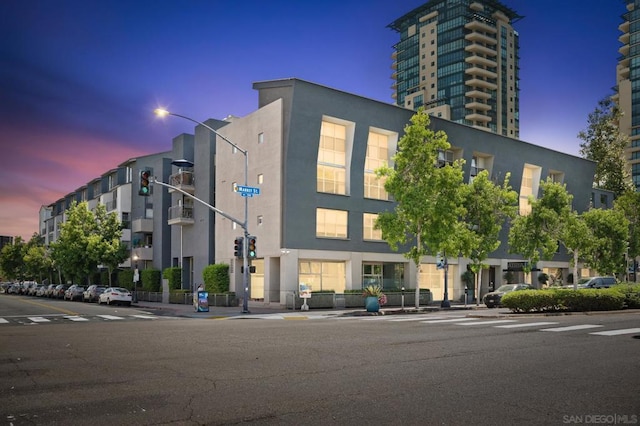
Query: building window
x: 260, y: 138
x: 323, y: 276
x: 377, y: 156
x: 331, y: 223
x: 528, y: 187
x: 368, y: 231
x: 445, y: 158
x: 260, y: 179
x: 332, y: 158
x: 260, y: 220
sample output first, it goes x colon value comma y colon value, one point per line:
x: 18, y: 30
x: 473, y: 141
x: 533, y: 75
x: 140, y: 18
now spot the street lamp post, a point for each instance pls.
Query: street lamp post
x: 244, y: 225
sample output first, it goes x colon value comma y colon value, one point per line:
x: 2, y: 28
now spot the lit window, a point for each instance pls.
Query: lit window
x: 368, y: 231
x: 331, y: 223
x: 332, y: 161
x: 260, y: 179
x: 377, y: 156
x: 528, y: 187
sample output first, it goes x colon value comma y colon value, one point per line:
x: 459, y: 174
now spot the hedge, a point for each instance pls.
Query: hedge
x: 556, y: 300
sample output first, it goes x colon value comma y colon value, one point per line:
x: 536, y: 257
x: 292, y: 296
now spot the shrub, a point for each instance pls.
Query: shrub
x: 566, y: 300
x: 151, y: 280
x: 216, y: 278
x: 631, y: 294
x: 174, y: 277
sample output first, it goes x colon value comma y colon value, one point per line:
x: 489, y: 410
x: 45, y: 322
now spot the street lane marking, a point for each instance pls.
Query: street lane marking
x: 617, y: 332
x: 64, y: 311
x: 487, y: 322
x: 530, y: 324
x: 417, y: 318
x: 572, y: 327
x: 110, y: 317
x: 3, y: 321
x: 39, y: 319
x: 75, y: 318
x: 144, y: 316
x: 449, y: 320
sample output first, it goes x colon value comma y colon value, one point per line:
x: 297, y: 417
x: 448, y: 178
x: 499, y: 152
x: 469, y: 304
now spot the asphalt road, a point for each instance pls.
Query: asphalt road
x: 395, y: 370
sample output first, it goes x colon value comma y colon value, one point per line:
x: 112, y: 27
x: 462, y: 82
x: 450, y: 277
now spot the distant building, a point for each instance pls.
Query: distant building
x: 460, y: 59
x: 628, y: 86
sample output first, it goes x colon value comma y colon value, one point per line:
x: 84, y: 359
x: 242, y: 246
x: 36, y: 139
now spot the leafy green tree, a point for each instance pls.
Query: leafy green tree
x: 629, y: 204
x: 429, y: 199
x: 12, y: 259
x: 578, y: 240
x: 610, y: 229
x: 605, y: 144
x: 487, y: 206
x: 72, y: 251
x: 536, y: 235
x: 106, y: 245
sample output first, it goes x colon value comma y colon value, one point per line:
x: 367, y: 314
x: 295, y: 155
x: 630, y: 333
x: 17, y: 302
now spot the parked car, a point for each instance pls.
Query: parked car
x: 40, y: 290
x: 50, y: 290
x: 597, y: 282
x: 58, y: 292
x: 117, y: 295
x: 31, y: 289
x: 14, y: 289
x: 492, y: 299
x: 92, y: 293
x: 74, y: 292
x: 26, y: 285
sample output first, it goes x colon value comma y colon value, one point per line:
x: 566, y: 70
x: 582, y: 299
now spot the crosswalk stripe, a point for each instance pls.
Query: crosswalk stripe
x: 417, y: 318
x: 76, y: 318
x: 110, y: 317
x: 617, y: 332
x: 449, y: 320
x: 39, y: 319
x: 144, y: 316
x: 572, y: 327
x: 487, y: 322
x: 529, y: 324
x: 3, y: 321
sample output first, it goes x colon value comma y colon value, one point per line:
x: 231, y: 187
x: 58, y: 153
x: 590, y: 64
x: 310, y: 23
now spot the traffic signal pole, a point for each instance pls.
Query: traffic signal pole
x: 243, y: 225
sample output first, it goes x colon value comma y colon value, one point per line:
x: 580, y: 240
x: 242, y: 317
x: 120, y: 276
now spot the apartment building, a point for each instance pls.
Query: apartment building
x: 628, y: 86
x: 459, y: 59
x: 312, y: 151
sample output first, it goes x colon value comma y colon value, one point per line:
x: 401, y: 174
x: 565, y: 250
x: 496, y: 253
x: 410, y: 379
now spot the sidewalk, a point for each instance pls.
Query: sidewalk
x: 257, y: 310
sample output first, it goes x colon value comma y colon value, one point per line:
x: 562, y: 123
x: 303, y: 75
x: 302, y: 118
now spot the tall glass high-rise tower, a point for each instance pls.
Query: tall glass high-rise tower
x: 459, y: 59
x: 628, y: 86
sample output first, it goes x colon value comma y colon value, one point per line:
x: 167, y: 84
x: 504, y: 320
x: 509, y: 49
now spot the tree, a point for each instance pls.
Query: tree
x: 487, y: 206
x: 578, y: 240
x: 429, y: 199
x: 536, y: 235
x: 629, y: 204
x: 71, y: 251
x: 12, y: 260
x: 605, y: 144
x: 106, y: 245
x: 610, y: 231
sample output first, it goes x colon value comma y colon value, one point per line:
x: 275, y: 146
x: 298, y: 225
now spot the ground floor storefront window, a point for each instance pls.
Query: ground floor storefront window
x: 323, y: 275
x: 432, y: 278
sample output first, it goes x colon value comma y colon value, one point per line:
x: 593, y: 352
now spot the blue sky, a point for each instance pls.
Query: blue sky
x: 79, y: 79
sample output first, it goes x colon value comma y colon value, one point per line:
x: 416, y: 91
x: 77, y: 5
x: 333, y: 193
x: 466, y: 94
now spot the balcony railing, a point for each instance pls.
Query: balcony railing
x: 181, y: 215
x: 182, y: 180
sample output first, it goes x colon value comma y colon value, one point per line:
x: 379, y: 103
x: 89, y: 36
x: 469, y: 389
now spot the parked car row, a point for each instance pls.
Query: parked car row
x: 73, y: 292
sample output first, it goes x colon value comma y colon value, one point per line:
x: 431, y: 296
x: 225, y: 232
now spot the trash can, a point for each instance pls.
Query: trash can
x: 202, y: 301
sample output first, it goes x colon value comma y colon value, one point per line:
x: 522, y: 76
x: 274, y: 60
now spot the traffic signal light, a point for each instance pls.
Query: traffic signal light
x: 145, y: 188
x: 237, y: 247
x: 252, y: 248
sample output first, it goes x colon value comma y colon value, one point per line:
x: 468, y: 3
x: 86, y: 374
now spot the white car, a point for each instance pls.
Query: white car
x: 118, y: 295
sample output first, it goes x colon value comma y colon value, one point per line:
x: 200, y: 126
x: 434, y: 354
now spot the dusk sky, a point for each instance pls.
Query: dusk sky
x: 79, y: 79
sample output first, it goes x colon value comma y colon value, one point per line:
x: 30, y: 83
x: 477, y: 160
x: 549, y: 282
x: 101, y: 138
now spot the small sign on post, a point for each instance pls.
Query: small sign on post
x: 305, y: 293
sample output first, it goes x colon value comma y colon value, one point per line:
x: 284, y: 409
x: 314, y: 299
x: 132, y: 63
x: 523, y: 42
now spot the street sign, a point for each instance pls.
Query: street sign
x: 246, y: 191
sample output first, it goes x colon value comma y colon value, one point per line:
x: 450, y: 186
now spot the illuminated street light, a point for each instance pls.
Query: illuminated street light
x: 244, y: 225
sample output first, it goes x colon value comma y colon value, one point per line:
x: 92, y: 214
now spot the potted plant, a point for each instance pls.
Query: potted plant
x: 374, y: 298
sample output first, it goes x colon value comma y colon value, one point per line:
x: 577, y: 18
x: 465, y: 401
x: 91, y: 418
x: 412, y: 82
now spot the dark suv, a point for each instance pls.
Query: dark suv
x: 599, y: 282
x: 92, y: 293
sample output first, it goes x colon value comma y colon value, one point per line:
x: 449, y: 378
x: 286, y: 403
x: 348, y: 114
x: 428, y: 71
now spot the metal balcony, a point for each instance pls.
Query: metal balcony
x: 182, y: 180
x: 180, y: 215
